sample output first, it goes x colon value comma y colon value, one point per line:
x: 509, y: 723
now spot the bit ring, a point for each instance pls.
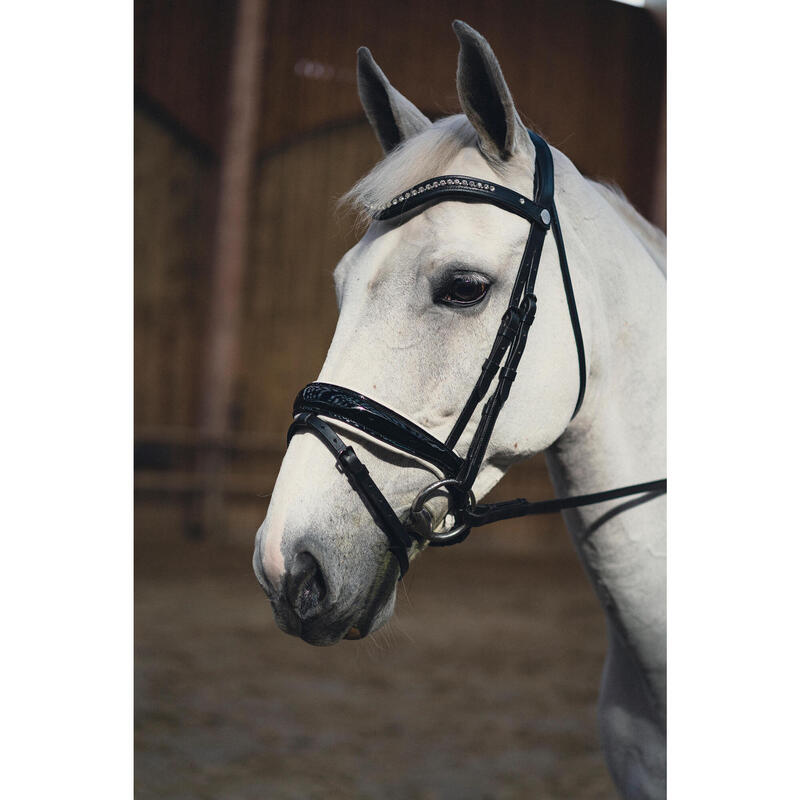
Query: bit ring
x: 419, y: 514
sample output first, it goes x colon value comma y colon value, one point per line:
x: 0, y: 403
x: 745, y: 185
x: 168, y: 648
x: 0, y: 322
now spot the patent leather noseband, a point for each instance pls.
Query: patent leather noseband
x: 357, y: 411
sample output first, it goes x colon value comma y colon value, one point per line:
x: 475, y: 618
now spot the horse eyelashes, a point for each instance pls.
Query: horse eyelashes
x: 462, y: 289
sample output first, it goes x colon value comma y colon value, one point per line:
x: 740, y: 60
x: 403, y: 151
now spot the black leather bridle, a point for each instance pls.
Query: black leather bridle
x: 319, y: 400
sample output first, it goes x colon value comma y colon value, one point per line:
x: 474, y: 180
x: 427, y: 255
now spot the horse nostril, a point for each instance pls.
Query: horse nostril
x: 305, y: 586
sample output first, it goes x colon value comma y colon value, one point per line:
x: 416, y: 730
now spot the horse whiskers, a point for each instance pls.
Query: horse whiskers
x: 378, y: 642
x: 398, y: 627
x: 407, y: 595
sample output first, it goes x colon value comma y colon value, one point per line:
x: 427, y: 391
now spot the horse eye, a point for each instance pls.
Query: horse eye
x: 462, y: 290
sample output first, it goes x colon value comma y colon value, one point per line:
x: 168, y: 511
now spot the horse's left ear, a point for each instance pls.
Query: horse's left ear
x: 393, y: 117
x: 484, y: 96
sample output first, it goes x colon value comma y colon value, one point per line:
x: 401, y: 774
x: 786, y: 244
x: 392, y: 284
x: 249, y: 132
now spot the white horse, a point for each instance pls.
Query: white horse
x: 400, y: 339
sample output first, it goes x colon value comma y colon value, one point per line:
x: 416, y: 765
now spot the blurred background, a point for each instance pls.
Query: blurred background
x: 247, y: 129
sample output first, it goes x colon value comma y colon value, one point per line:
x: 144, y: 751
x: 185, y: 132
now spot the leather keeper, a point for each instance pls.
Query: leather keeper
x: 509, y: 324
x: 350, y: 463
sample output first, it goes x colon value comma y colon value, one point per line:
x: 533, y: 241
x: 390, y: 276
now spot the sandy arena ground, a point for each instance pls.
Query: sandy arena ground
x: 483, y: 686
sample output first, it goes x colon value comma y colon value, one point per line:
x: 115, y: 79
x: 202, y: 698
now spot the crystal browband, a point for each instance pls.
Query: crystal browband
x: 460, y: 187
x: 435, y: 185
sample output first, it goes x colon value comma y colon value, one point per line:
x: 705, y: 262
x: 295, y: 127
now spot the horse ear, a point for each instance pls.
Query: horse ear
x: 484, y: 95
x: 392, y: 116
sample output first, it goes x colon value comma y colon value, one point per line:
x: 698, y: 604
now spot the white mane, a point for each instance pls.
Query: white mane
x: 422, y: 156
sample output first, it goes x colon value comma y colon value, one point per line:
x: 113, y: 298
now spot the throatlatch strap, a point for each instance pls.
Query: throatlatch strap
x: 544, y: 192
x: 573, y: 311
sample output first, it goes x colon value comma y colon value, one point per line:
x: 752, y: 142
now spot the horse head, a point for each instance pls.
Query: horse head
x: 419, y: 307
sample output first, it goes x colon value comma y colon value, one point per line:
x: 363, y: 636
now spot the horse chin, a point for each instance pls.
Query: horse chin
x: 378, y: 605
x: 366, y: 625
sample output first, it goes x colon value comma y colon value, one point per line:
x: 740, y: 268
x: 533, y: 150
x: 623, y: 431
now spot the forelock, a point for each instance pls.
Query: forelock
x: 423, y: 156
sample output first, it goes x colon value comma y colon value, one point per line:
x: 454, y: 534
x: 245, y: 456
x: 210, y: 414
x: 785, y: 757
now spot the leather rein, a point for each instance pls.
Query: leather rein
x: 357, y: 411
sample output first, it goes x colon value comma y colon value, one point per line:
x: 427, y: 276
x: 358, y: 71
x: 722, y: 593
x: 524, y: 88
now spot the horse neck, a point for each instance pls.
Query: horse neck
x: 618, y: 438
x: 619, y: 435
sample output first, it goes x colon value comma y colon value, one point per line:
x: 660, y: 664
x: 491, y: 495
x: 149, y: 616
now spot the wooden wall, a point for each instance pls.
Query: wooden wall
x: 173, y: 219
x: 589, y: 74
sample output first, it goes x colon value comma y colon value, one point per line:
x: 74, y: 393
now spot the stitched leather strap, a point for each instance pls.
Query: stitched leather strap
x: 358, y: 475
